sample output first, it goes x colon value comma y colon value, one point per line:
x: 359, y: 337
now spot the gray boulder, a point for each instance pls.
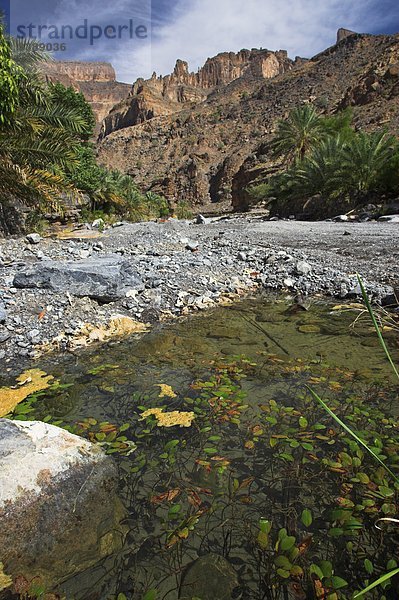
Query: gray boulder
x: 105, y: 279
x: 33, y: 238
x: 59, y: 513
x: 389, y: 219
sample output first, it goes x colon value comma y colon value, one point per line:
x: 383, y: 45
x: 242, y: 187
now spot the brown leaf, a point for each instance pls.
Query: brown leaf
x: 168, y: 496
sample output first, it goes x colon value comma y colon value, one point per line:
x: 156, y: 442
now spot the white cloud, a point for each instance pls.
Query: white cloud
x: 202, y: 28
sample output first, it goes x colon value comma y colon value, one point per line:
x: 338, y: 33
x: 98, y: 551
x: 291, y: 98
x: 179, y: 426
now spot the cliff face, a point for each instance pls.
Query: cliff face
x: 209, y: 151
x: 162, y: 96
x: 96, y: 81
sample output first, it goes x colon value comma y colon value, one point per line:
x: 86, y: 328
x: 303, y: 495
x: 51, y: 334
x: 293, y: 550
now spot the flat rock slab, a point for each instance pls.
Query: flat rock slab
x: 103, y: 279
x: 59, y: 513
x: 210, y: 577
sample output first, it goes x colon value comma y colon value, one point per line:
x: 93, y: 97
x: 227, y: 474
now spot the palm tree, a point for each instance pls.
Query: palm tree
x: 366, y: 160
x: 298, y: 134
x: 40, y: 140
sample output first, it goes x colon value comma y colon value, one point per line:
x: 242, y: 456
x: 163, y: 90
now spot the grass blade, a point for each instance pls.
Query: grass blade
x: 352, y: 433
x: 376, y: 326
x: 377, y: 582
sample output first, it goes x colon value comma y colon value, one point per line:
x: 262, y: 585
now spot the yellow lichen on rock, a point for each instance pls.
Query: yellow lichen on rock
x: 29, y: 382
x: 5, y: 580
x: 170, y: 419
x: 118, y: 326
x: 166, y: 391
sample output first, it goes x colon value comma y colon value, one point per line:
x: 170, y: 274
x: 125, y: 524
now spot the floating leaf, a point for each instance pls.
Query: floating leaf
x: 368, y: 565
x: 150, y: 595
x: 307, y: 518
x: 287, y: 542
x: 338, y: 582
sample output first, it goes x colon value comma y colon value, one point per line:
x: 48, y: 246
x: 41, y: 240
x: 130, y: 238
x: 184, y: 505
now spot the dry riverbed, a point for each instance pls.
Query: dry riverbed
x: 60, y: 294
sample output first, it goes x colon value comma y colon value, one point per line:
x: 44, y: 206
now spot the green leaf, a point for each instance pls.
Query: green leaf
x: 368, y: 565
x: 283, y: 573
x: 150, y: 595
x: 376, y: 327
x: 352, y: 433
x: 172, y: 444
x: 376, y: 583
x: 315, y: 570
x: 303, y: 423
x: 338, y: 582
x: 265, y: 525
x: 287, y: 542
x: 326, y: 567
x: 283, y: 562
x: 335, y: 532
x: 386, y: 491
x: 307, y: 518
x: 263, y: 539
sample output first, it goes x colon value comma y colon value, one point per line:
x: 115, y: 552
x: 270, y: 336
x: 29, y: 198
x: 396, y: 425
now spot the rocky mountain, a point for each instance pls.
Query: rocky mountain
x: 96, y: 81
x: 162, y: 96
x: 203, y: 138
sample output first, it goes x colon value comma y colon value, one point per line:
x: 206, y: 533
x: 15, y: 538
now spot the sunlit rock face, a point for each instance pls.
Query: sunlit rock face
x: 96, y: 81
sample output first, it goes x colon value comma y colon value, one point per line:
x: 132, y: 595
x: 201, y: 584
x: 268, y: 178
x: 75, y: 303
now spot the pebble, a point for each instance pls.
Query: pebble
x: 33, y: 238
x: 303, y: 268
x: 233, y: 258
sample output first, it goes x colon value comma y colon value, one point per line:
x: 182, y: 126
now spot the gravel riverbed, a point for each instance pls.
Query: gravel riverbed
x: 51, y: 287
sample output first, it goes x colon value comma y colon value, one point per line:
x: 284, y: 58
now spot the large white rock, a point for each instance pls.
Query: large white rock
x: 59, y: 512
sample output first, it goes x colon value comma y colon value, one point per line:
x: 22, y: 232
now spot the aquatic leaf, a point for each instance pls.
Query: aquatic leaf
x: 287, y: 542
x: 307, y: 517
x: 283, y: 573
x: 296, y: 571
x: 352, y: 433
x: 336, y: 532
x: 368, y: 565
x: 263, y: 539
x: 326, y: 568
x: 150, y: 595
x: 210, y: 450
x: 265, y: 525
x: 338, y: 582
x: 283, y: 562
x: 303, y: 423
x: 315, y: 570
x: 168, y: 496
x: 176, y: 508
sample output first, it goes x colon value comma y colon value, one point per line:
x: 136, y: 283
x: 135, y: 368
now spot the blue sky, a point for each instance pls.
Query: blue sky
x: 142, y: 36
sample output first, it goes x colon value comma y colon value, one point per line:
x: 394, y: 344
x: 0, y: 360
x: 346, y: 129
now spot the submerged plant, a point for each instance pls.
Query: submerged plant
x: 373, y: 454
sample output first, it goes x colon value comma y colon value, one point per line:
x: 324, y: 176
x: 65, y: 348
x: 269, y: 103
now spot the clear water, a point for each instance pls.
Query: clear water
x: 259, y: 448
